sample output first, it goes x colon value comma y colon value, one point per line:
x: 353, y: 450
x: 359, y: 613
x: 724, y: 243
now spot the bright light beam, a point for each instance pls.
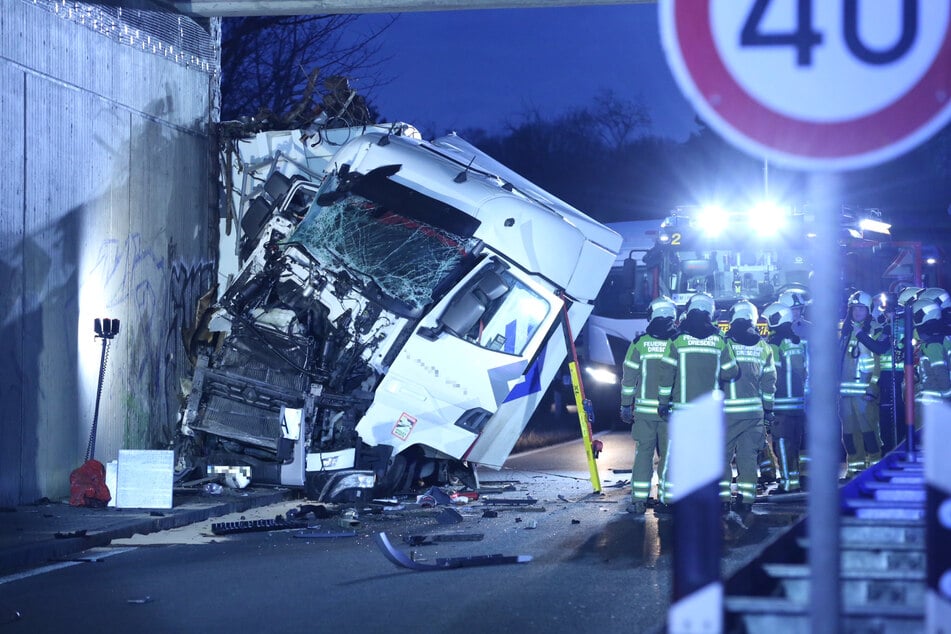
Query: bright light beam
x: 712, y: 220
x: 767, y: 219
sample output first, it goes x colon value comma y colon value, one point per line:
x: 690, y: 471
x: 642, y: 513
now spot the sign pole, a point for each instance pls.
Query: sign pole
x: 822, y: 422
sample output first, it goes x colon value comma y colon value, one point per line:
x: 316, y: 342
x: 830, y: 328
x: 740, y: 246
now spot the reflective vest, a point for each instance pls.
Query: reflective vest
x: 640, y: 380
x: 791, y: 374
x: 860, y: 367
x: 694, y: 367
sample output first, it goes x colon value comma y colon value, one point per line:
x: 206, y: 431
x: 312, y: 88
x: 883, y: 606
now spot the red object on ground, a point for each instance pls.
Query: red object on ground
x: 87, y: 485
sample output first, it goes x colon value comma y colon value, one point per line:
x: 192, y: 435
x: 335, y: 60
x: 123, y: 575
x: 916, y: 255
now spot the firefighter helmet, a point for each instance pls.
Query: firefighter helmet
x: 777, y: 314
x: 925, y: 310
x: 743, y: 309
x: 662, y: 307
x: 937, y: 295
x: 704, y: 302
x: 908, y: 295
x: 794, y: 298
x: 860, y: 298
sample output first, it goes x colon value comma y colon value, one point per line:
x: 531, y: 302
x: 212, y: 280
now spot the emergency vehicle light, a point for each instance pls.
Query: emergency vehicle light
x: 868, y: 224
x: 766, y: 219
x: 712, y: 220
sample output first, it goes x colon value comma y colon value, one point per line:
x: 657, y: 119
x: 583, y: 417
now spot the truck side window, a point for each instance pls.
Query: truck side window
x: 510, y: 321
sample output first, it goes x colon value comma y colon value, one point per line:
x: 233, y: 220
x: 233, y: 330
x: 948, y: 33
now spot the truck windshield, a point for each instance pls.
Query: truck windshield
x: 410, y: 260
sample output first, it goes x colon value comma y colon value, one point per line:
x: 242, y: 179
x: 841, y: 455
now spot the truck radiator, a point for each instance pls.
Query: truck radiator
x: 253, y: 375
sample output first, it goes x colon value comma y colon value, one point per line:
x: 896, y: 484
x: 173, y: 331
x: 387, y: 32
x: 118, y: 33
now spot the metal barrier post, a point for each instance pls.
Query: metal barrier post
x: 695, y: 473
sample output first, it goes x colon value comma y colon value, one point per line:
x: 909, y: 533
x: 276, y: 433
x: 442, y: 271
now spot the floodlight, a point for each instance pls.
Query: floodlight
x: 767, y: 219
x: 712, y: 220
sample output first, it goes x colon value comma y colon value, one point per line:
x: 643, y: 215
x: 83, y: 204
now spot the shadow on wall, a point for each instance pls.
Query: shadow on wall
x: 38, y: 337
x: 147, y: 266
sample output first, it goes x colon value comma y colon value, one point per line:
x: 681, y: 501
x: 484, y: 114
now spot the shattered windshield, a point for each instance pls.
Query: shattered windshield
x: 407, y: 258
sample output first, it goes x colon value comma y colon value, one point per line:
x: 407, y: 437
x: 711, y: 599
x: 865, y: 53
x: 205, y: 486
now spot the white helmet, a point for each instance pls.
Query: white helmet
x: 925, y: 310
x: 860, y: 298
x: 661, y: 307
x: 777, y: 314
x: 794, y: 298
x: 937, y: 295
x: 908, y: 295
x: 744, y: 309
x: 704, y: 302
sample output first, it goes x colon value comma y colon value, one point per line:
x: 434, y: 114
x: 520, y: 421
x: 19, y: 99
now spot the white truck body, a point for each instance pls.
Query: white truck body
x: 394, y: 313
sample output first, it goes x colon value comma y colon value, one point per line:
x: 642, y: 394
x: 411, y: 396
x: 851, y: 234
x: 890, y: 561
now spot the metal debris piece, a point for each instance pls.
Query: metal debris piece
x: 426, y: 540
x: 505, y: 501
x: 448, y: 516
x: 139, y: 601
x: 401, y: 559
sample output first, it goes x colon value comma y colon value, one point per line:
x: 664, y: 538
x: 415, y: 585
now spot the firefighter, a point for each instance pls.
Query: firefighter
x: 797, y: 300
x: 889, y: 347
x: 789, y: 354
x: 696, y: 361
x: 748, y: 405
x: 932, y: 380
x: 639, y: 401
x: 858, y: 387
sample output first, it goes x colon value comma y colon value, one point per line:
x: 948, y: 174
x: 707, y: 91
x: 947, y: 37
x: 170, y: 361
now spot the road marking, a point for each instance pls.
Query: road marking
x: 65, y: 564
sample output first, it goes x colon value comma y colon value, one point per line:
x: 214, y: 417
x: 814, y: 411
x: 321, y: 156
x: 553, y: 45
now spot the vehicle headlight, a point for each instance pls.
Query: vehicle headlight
x: 601, y: 375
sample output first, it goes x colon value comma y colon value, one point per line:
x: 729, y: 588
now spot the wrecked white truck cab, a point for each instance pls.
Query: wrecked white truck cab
x: 395, y: 320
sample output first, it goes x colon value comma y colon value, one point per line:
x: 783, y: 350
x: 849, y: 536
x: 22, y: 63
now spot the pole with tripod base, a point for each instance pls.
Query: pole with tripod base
x: 87, y: 484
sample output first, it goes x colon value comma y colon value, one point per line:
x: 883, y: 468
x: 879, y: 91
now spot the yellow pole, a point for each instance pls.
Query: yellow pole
x: 585, y: 424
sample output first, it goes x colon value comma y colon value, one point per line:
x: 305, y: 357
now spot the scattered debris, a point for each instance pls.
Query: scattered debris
x: 315, y: 532
x: 427, y: 540
x: 506, y: 501
x: 449, y: 516
x: 213, y: 488
x: 319, y: 511
x: 575, y: 521
x: 531, y: 524
x: 70, y: 535
x: 490, y: 513
x: 401, y: 559
x: 140, y: 601
x: 433, y: 497
x: 9, y: 616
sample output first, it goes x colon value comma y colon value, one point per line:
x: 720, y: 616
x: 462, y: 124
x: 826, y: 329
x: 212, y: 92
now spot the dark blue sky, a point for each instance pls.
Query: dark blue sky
x: 485, y: 69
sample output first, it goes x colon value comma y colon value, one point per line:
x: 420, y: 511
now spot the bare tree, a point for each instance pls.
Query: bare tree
x: 619, y: 121
x: 275, y: 66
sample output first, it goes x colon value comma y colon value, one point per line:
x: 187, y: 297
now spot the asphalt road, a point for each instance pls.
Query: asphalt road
x: 593, y: 568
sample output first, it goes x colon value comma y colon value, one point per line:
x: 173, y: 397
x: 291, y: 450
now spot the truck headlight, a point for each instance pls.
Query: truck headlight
x: 601, y: 375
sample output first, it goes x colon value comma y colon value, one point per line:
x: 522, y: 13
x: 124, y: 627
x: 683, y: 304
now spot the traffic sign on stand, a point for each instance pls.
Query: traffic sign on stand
x: 814, y: 84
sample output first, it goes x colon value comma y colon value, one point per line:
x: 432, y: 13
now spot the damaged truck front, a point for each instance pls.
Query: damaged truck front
x: 394, y: 317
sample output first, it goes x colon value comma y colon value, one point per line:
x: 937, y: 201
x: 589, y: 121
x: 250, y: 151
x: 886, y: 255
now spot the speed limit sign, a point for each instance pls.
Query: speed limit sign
x: 814, y: 84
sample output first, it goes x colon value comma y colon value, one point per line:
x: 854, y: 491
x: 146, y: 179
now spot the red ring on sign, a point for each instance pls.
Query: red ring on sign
x: 732, y: 103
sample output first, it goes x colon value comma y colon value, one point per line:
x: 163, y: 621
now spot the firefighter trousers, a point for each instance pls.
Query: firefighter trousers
x: 787, y: 433
x: 860, y: 432
x: 650, y: 435
x: 744, y: 438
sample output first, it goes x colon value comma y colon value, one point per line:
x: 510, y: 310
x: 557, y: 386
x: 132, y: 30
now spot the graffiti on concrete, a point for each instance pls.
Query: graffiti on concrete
x: 157, y: 295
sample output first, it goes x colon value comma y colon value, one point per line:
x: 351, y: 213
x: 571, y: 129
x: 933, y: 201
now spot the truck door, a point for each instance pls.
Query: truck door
x: 462, y: 362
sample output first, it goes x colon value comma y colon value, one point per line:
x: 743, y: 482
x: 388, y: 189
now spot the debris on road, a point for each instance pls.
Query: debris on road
x: 401, y: 559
